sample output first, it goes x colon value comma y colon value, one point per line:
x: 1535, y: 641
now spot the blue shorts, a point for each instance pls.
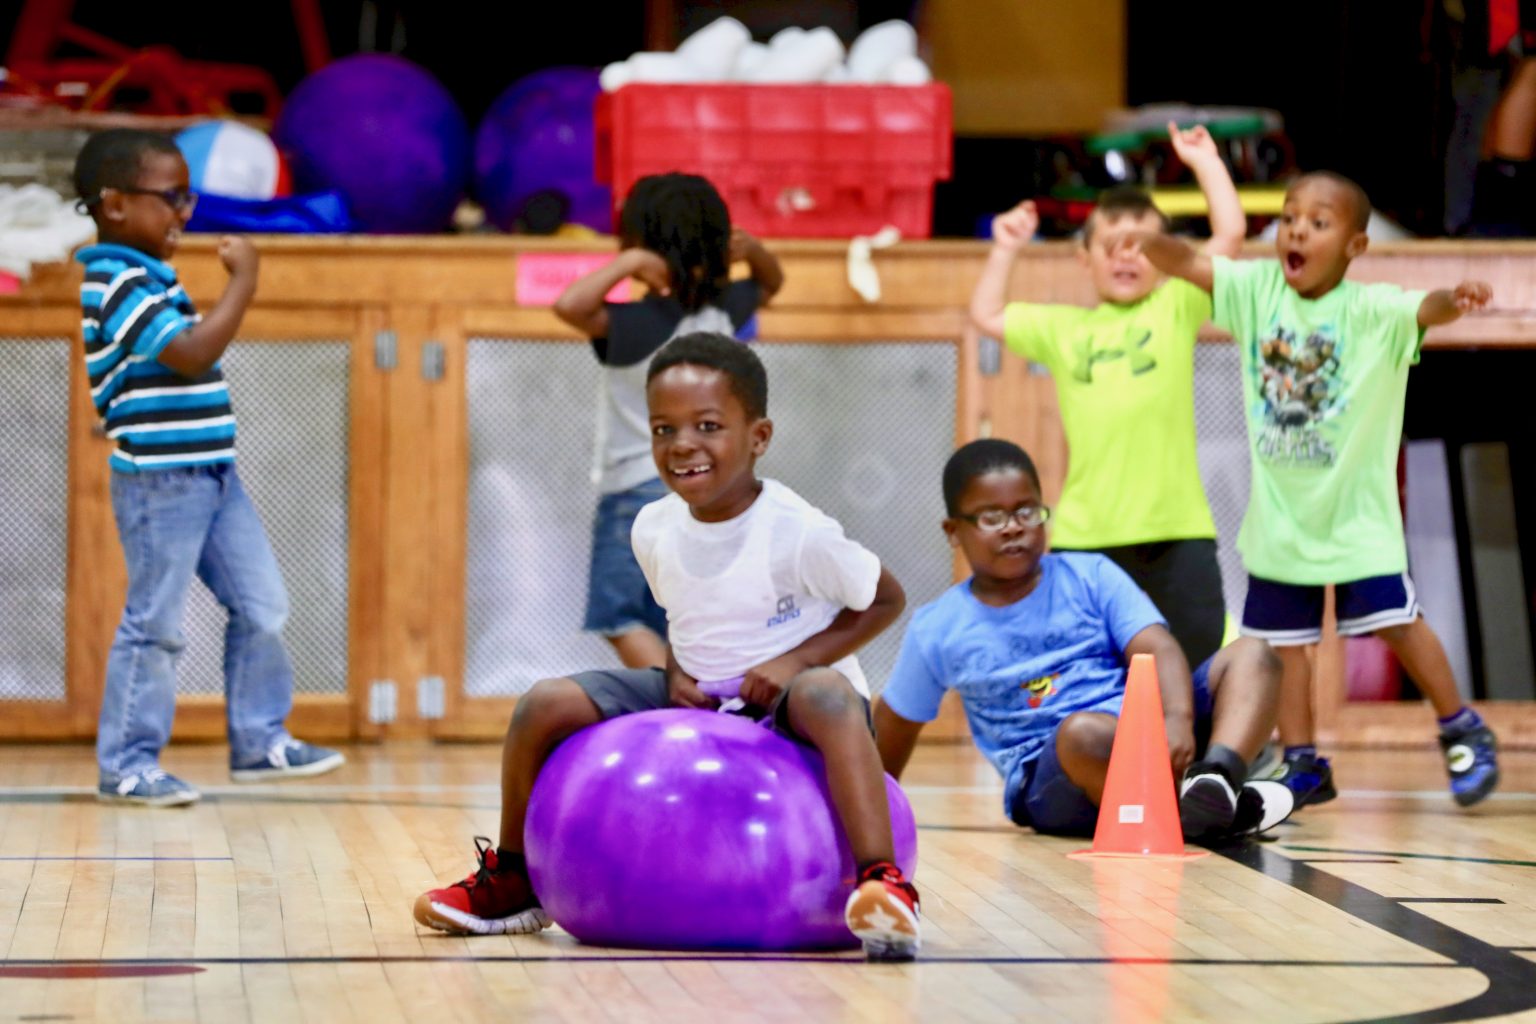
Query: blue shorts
x: 619, y: 600
x: 1050, y: 802
x: 1289, y: 614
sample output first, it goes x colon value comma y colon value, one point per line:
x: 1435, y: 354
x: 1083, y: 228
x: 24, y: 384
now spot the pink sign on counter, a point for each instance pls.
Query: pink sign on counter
x: 10, y: 284
x: 542, y: 276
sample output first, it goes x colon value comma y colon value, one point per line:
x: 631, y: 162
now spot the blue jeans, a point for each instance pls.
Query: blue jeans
x: 174, y: 524
x: 618, y: 598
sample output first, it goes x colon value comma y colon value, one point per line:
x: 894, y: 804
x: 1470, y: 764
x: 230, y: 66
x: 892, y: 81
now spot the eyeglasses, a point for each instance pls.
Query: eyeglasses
x: 993, y: 519
x: 182, y: 200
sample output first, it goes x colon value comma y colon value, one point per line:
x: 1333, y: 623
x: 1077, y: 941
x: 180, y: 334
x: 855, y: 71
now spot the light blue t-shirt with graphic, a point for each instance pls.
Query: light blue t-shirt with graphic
x: 1022, y: 668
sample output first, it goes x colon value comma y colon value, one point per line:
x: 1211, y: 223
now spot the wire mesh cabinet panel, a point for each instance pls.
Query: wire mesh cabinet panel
x: 291, y: 408
x: 34, y: 459
x: 861, y: 430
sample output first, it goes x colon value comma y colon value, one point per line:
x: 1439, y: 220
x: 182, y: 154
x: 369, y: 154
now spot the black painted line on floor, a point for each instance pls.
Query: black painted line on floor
x: 1446, y: 899
x: 1348, y: 860
x: 1415, y: 856
x: 115, y: 858
x: 1511, y: 978
x: 819, y: 958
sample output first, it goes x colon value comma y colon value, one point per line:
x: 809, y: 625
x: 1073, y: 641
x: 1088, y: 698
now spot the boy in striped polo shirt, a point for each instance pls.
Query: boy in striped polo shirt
x: 153, y: 366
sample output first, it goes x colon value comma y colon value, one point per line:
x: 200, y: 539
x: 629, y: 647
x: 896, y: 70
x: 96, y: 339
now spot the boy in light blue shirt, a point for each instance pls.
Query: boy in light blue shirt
x: 1037, y: 646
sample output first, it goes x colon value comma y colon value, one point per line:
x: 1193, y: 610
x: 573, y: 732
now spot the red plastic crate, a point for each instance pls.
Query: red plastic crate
x: 804, y: 161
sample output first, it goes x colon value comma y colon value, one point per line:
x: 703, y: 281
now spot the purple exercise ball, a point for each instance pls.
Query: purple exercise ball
x: 538, y: 137
x: 384, y: 133
x: 686, y: 829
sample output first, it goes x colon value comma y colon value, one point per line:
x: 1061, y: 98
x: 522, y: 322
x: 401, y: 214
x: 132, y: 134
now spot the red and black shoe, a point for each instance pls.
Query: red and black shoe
x: 496, y: 899
x: 882, y: 912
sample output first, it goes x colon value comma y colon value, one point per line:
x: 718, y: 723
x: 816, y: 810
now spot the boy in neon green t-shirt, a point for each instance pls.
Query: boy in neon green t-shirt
x: 1325, y: 372
x: 1124, y: 373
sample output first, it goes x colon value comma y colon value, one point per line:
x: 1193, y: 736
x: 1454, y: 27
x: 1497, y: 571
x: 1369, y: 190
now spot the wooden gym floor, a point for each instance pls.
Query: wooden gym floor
x: 293, y: 903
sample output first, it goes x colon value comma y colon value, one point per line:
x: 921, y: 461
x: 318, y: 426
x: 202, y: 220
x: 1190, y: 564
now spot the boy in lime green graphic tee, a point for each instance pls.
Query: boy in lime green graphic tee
x: 1325, y: 373
x: 1124, y: 374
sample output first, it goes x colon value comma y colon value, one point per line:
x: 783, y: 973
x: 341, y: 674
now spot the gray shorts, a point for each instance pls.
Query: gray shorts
x: 624, y: 691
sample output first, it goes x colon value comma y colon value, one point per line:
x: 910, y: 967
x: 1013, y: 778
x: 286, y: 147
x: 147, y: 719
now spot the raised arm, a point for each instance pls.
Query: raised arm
x: 193, y: 352
x: 1448, y: 304
x: 1229, y: 225
x: 1011, y: 231
x: 1172, y: 256
x: 582, y: 303
x: 894, y: 738
x: 763, y: 264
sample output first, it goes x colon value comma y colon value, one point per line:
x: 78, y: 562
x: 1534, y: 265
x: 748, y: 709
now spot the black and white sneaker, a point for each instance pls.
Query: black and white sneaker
x: 1207, y: 802
x: 1261, y: 805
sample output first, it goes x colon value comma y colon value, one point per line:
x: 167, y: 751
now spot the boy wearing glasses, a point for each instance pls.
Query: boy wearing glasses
x: 1037, y: 645
x: 153, y: 368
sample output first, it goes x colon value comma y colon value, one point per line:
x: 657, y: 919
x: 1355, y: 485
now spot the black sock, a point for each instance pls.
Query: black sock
x: 1229, y: 762
x: 507, y: 860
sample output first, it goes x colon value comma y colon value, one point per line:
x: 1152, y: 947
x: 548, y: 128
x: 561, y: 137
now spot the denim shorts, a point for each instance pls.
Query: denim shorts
x: 1050, y: 802
x: 619, y: 600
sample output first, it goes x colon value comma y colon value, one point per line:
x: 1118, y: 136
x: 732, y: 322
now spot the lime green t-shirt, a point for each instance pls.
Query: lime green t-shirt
x: 1125, y: 381
x: 1324, y: 383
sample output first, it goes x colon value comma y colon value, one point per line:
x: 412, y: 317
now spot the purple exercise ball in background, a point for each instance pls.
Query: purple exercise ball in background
x: 384, y: 133
x: 686, y: 829
x: 538, y: 138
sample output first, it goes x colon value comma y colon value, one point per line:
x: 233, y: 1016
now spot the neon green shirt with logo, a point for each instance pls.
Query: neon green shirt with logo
x: 1125, y: 382
x: 1324, y: 384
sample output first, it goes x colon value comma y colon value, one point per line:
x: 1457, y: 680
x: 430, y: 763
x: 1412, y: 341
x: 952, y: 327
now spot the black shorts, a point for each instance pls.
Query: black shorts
x: 625, y: 691
x: 1183, y: 578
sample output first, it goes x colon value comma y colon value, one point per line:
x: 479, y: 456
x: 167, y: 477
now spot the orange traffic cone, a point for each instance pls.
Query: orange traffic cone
x: 1139, y: 816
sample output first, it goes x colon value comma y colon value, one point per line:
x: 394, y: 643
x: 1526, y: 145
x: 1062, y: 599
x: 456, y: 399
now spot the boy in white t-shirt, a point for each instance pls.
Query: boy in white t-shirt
x: 766, y: 601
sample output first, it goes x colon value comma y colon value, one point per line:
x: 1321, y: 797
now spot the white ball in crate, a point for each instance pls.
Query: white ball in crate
x: 748, y: 59
x: 713, y: 48
x: 661, y: 67
x: 908, y: 71
x: 785, y: 37
x: 615, y: 76
x: 880, y: 46
x: 807, y: 59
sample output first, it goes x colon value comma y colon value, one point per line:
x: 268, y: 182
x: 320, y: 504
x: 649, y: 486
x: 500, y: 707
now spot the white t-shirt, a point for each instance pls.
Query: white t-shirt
x: 747, y: 590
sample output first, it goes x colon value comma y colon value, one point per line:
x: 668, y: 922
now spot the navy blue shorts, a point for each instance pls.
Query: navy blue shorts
x: 1289, y: 614
x: 1050, y: 802
x: 619, y: 600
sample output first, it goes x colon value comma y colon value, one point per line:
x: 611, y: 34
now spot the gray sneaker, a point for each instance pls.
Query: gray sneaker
x: 288, y: 758
x: 152, y: 787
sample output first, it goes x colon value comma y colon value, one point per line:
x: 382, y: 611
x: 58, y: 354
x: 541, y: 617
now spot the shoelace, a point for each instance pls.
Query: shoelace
x: 483, y: 848
x: 149, y: 775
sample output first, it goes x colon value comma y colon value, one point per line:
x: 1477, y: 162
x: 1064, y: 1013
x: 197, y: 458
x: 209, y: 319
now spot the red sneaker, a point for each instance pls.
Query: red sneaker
x: 882, y: 912
x: 494, y: 900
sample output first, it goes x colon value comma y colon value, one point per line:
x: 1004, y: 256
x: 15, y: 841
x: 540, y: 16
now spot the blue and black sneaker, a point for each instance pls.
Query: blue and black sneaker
x: 1309, y: 778
x: 288, y: 758
x: 1472, y: 759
